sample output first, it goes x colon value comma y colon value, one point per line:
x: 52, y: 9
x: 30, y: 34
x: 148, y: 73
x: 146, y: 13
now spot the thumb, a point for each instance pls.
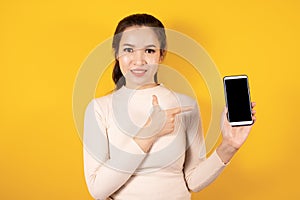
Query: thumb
x: 224, y: 119
x: 154, y: 100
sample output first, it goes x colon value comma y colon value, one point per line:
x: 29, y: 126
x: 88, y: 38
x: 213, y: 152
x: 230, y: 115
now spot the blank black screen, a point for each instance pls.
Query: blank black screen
x: 238, y: 100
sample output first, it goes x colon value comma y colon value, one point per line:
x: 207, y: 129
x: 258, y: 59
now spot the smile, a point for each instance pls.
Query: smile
x: 138, y: 72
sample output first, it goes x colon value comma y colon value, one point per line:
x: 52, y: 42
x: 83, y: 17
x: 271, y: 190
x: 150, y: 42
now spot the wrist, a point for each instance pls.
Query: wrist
x: 226, y: 152
x: 145, y: 143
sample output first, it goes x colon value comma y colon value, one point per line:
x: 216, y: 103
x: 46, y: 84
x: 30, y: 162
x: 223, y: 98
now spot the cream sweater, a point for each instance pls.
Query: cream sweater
x: 114, y: 165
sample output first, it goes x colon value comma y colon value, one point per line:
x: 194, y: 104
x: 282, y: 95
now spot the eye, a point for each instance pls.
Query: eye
x: 128, y: 50
x: 150, y: 51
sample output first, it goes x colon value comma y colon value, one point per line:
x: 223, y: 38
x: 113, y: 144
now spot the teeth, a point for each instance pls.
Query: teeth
x: 138, y: 71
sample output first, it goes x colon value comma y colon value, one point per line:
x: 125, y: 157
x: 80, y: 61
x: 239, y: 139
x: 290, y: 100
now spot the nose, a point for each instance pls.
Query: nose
x: 139, y: 57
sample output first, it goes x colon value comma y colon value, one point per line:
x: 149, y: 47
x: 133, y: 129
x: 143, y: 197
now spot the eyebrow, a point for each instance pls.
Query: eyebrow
x: 147, y: 46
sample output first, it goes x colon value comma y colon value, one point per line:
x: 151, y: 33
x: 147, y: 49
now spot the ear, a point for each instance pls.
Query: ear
x: 162, y: 55
x: 116, y: 55
x: 161, y: 58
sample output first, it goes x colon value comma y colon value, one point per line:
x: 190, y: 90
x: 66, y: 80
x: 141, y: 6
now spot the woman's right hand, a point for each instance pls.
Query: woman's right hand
x: 160, y: 123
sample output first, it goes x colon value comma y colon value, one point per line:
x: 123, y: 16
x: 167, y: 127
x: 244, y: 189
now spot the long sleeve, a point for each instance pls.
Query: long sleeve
x: 106, y: 167
x: 199, y: 171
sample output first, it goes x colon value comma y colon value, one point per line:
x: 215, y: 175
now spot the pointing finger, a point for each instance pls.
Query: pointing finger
x: 186, y: 108
x: 178, y: 110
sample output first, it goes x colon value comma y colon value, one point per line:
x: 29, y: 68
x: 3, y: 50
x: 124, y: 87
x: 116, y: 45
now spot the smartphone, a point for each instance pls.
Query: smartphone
x: 238, y: 102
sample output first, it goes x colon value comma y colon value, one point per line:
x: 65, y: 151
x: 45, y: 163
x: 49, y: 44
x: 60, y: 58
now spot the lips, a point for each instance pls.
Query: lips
x: 138, y: 72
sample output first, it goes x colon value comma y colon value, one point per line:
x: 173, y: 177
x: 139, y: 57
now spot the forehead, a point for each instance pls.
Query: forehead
x: 139, y: 36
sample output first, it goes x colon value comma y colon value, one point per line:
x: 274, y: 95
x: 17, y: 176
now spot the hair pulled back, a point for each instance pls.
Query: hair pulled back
x: 136, y: 20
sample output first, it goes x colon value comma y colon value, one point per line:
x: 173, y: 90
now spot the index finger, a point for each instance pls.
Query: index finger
x: 178, y: 110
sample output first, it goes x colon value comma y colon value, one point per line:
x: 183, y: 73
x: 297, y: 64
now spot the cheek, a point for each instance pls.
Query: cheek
x: 154, y: 62
x: 124, y: 62
x: 154, y: 59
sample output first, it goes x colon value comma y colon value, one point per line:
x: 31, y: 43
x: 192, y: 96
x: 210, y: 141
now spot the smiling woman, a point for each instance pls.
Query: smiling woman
x: 139, y: 56
x: 131, y: 154
x: 137, y: 22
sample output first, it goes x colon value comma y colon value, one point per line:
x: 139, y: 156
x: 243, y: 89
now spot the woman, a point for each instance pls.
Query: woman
x: 131, y: 154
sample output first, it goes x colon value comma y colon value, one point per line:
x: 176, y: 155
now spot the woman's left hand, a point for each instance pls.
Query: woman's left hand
x: 236, y: 136
x: 233, y: 137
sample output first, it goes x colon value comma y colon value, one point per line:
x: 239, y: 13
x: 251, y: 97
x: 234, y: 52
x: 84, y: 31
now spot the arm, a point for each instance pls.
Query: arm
x: 199, y: 171
x: 106, y: 167
x: 160, y: 123
x: 233, y: 137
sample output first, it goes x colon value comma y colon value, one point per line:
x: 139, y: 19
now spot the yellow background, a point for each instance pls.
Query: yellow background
x: 42, y: 45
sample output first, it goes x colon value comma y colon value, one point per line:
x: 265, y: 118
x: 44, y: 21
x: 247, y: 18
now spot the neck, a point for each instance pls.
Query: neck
x: 140, y: 87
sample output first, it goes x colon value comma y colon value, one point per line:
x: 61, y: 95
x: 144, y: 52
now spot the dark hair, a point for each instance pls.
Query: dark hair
x: 136, y: 20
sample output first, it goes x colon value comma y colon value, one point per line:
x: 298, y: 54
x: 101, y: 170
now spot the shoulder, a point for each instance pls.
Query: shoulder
x: 186, y: 100
x: 100, y: 103
x: 104, y: 100
x: 183, y: 99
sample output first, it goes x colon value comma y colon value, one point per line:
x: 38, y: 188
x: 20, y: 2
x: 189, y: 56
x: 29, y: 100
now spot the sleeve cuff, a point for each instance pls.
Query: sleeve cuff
x: 136, y: 148
x: 217, y: 160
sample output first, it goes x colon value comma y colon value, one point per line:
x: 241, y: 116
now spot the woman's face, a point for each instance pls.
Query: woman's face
x: 139, y: 56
